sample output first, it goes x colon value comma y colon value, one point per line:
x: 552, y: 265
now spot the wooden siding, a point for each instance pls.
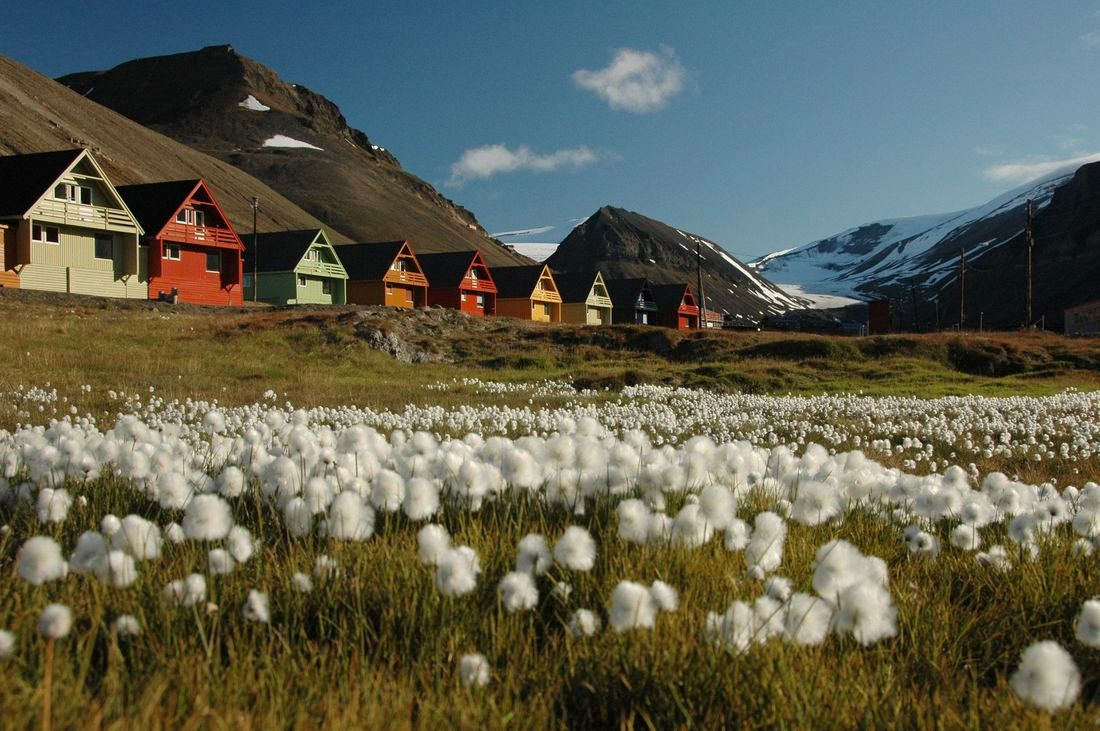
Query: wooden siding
x: 281, y: 288
x: 189, y: 277
x: 71, y: 264
x: 464, y: 299
x: 385, y: 293
x: 586, y: 313
x: 528, y: 308
x: 8, y: 276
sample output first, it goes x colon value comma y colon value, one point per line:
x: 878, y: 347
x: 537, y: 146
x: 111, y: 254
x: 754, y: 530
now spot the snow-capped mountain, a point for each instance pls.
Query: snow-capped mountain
x: 624, y: 244
x: 917, y: 260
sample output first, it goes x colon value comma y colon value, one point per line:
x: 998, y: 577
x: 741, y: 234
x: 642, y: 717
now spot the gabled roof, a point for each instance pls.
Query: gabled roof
x: 369, y: 261
x: 280, y: 251
x: 518, y: 281
x: 155, y: 204
x: 575, y: 286
x: 448, y: 269
x: 669, y: 297
x: 625, y: 292
x: 27, y: 177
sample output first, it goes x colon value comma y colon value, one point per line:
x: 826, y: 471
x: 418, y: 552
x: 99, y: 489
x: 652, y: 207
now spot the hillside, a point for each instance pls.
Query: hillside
x: 38, y: 114
x: 622, y: 243
x: 294, y: 139
x: 918, y: 258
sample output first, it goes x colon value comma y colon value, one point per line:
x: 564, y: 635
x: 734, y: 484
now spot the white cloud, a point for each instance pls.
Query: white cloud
x: 1024, y: 171
x: 489, y: 160
x: 1091, y: 39
x: 636, y: 81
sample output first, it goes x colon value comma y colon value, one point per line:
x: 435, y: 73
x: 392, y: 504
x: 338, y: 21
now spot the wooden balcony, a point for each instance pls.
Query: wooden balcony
x: 75, y: 214
x: 201, y: 235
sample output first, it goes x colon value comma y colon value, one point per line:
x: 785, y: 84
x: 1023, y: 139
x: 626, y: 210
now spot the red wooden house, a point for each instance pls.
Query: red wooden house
x: 194, y: 253
x: 676, y: 306
x: 384, y: 273
x: 460, y: 280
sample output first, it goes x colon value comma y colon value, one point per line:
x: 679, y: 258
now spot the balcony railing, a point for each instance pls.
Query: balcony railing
x: 75, y: 214
x: 211, y: 235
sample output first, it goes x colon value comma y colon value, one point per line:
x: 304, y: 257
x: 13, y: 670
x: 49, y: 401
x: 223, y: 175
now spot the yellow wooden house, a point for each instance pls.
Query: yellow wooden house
x: 584, y: 298
x: 527, y: 293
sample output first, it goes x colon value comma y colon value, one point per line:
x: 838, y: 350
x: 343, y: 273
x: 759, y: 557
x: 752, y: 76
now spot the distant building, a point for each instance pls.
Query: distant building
x: 294, y: 268
x: 584, y: 298
x: 460, y: 280
x: 632, y: 302
x: 1083, y: 319
x: 676, y: 306
x: 527, y: 293
x: 384, y: 273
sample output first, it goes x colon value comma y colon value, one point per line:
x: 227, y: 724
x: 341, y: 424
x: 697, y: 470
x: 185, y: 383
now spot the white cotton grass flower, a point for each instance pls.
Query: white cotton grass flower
x: 174, y: 533
x: 116, y: 569
x: 432, y: 544
x: 388, y: 491
x: 231, y: 482
x: 717, y: 505
x: 297, y: 517
x: 734, y: 631
x: 562, y: 591
x: 632, y: 606
x: 456, y: 574
x: 817, y: 503
x: 7, y: 643
x: 1047, y: 677
x: 90, y: 546
x: 109, y: 525
x: 138, y: 537
x: 965, y: 537
x: 40, y: 560
x: 349, y: 519
x: 257, y: 607
x: 473, y: 669
x: 765, y: 548
x: 807, y: 619
x: 1082, y: 547
x: 738, y: 533
x: 778, y: 588
x: 173, y: 491
x: 207, y: 518
x: 996, y: 557
x: 922, y: 543
x: 185, y: 592
x: 240, y: 544
x: 1087, y: 625
x: 126, y: 625
x: 576, y: 549
x: 866, y: 611
x: 421, y: 499
x: 325, y: 567
x: 220, y: 562
x: 53, y: 505
x: 533, y: 555
x: 634, y: 521
x: 517, y: 591
x: 690, y: 527
x: 838, y: 565
x: 584, y: 623
x: 55, y: 621
x: 301, y: 583
x: 664, y: 596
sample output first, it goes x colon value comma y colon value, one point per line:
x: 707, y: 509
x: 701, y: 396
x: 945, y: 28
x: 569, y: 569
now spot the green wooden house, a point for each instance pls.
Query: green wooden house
x: 69, y: 229
x: 294, y: 268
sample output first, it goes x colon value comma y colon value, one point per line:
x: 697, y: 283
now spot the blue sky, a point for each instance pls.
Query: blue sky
x: 761, y: 125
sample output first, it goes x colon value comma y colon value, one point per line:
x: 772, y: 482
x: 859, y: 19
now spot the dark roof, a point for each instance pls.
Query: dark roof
x: 26, y: 177
x: 575, y: 286
x: 625, y: 292
x: 446, y: 269
x: 154, y: 204
x: 668, y: 296
x: 369, y: 262
x: 517, y: 281
x: 280, y: 251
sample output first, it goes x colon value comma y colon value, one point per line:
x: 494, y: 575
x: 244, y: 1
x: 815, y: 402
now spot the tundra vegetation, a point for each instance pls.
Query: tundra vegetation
x: 253, y: 519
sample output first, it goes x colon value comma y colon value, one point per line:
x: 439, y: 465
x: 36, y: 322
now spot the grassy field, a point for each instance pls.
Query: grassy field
x: 375, y: 645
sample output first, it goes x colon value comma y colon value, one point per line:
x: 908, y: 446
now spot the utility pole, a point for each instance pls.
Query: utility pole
x: 962, y: 287
x: 1030, y: 245
x: 255, y: 203
x: 699, y: 283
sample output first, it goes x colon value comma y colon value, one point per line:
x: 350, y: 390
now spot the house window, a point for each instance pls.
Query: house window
x: 73, y: 193
x: 463, y: 296
x: 313, y: 255
x: 326, y: 286
x: 191, y: 217
x: 301, y: 280
x: 247, y: 281
x: 46, y: 234
x: 389, y: 289
x: 473, y: 276
x: 104, y: 247
x: 214, y: 261
x: 480, y: 301
x: 172, y: 251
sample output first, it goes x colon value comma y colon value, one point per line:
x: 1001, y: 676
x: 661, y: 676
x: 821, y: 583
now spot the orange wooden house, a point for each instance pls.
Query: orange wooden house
x: 384, y: 273
x: 194, y: 254
x: 8, y: 277
x: 527, y: 293
x: 460, y: 280
x: 676, y: 306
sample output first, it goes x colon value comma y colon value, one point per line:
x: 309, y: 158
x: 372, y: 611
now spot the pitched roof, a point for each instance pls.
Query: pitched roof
x: 27, y: 177
x: 517, y: 281
x: 625, y: 292
x: 280, y: 251
x: 369, y: 261
x: 669, y: 296
x: 575, y: 286
x: 154, y: 204
x: 446, y: 269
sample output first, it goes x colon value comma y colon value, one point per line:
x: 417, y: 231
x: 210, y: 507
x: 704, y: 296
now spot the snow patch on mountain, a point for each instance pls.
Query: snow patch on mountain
x: 284, y: 141
x: 253, y: 104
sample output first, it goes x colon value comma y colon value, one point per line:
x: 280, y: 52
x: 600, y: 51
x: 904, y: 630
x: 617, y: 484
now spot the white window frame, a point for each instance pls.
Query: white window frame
x: 95, y: 247
x: 191, y: 217
x: 169, y: 249
x: 302, y: 282
x: 313, y: 255
x: 44, y: 234
x: 481, y: 300
x: 463, y: 296
x: 207, y: 264
x: 73, y: 193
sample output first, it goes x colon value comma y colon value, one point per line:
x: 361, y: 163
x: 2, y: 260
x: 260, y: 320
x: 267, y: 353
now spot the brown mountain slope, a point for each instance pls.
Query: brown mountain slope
x: 354, y: 185
x: 38, y: 114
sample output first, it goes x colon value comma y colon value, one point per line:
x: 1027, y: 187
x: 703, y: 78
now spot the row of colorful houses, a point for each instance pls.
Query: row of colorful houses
x: 66, y: 228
